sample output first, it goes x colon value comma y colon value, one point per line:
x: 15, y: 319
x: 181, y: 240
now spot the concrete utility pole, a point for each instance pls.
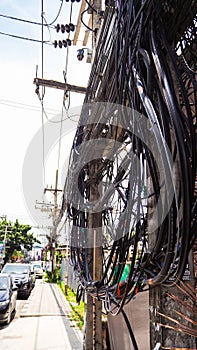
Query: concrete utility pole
x: 97, y: 304
x: 93, y: 307
x: 54, y: 215
x: 55, y: 192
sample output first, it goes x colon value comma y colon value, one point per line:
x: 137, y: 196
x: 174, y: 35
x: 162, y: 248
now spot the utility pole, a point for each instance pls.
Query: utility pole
x: 93, y: 307
x: 93, y: 338
x: 2, y: 246
x: 3, y: 243
x: 44, y: 207
x: 54, y: 215
x: 97, y: 4
x: 97, y: 304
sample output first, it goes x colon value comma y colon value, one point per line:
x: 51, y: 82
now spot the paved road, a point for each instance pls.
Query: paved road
x: 41, y: 323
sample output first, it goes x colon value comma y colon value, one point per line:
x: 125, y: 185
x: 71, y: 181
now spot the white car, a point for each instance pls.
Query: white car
x: 38, y: 270
x: 22, y: 277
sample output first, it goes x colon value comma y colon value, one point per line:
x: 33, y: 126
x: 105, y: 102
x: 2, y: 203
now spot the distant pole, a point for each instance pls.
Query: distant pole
x: 4, y: 241
x: 53, y: 237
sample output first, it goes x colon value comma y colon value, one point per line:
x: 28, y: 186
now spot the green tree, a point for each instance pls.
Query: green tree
x: 16, y: 237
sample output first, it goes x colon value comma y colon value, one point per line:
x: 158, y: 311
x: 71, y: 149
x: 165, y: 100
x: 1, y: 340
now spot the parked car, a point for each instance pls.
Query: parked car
x: 38, y: 270
x: 8, y: 296
x: 23, y: 277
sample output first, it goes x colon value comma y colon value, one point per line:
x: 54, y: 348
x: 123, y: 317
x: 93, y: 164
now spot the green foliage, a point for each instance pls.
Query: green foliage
x: 58, y: 256
x: 17, y: 253
x: 77, y: 314
x: 17, y: 237
x: 52, y: 276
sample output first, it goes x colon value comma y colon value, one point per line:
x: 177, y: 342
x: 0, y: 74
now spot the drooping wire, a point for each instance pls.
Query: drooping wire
x: 133, y: 340
x: 140, y: 78
x: 68, y: 115
x: 82, y: 14
x: 59, y: 12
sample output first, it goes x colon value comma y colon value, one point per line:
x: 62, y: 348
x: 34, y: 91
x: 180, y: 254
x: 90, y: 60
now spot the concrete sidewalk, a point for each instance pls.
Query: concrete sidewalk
x: 43, y: 323
x: 46, y: 299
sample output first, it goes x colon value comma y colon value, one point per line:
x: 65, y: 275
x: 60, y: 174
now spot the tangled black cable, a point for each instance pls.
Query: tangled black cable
x: 154, y: 75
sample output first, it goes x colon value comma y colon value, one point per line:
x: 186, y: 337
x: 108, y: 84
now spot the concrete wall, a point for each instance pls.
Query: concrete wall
x: 137, y: 311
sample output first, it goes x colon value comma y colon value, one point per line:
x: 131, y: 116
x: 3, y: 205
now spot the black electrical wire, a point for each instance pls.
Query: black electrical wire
x: 91, y: 6
x: 82, y: 14
x: 24, y: 20
x: 143, y: 58
x: 58, y: 13
x: 130, y: 330
x: 24, y: 38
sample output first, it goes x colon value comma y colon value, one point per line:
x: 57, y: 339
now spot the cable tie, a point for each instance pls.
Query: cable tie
x: 118, y: 291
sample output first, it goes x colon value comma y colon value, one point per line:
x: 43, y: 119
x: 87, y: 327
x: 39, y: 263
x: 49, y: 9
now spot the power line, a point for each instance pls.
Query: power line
x: 25, y: 106
x: 24, y: 20
x: 57, y: 121
x: 43, y: 91
x: 24, y: 38
x: 67, y: 94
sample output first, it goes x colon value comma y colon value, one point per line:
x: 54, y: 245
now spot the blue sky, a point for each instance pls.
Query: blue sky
x: 20, y: 109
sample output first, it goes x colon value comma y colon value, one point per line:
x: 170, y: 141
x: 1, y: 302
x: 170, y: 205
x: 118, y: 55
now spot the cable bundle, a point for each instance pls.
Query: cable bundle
x: 155, y: 76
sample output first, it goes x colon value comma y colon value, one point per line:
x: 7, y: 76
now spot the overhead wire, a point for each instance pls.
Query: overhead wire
x: 50, y: 25
x: 25, y: 38
x: 41, y: 97
x: 68, y: 116
x: 58, y: 14
x: 85, y: 25
x: 42, y: 91
x: 24, y: 20
x: 90, y: 6
x: 15, y: 104
x: 66, y: 96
